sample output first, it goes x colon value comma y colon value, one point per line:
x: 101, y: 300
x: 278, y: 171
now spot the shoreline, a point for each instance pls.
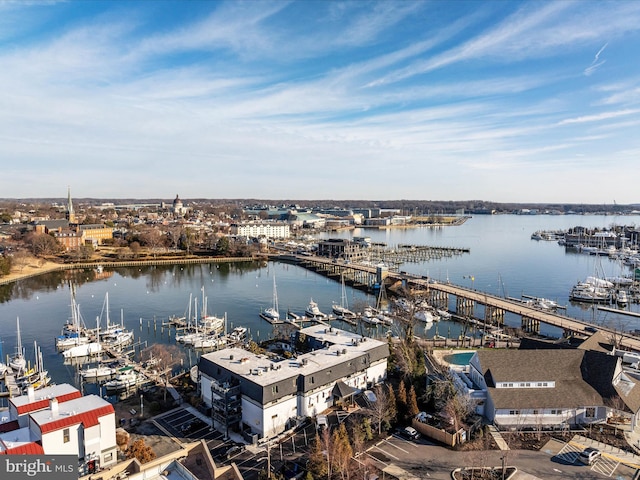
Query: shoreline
x: 37, y: 266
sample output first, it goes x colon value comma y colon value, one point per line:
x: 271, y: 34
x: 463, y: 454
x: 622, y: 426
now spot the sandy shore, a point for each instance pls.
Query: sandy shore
x: 32, y: 267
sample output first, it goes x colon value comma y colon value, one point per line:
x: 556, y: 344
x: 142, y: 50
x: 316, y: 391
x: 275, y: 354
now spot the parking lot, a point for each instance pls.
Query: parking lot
x: 417, y: 458
x: 424, y: 459
x: 188, y: 427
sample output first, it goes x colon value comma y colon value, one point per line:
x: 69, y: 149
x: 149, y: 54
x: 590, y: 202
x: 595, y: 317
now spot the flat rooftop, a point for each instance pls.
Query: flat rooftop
x: 264, y: 370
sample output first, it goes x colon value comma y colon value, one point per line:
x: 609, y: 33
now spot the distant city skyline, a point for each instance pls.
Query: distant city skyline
x: 510, y: 102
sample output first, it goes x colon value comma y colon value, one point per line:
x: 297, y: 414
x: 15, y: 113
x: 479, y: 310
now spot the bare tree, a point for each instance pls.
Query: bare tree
x: 380, y: 410
x: 163, y: 357
x: 153, y: 239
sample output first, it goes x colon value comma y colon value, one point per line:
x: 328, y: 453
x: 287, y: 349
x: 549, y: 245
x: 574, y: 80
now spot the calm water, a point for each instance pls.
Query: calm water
x: 503, y: 260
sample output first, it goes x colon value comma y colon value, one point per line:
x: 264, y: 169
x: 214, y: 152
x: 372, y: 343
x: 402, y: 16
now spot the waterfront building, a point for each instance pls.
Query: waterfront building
x: 261, y: 229
x: 265, y: 394
x: 58, y: 420
x: 551, y: 389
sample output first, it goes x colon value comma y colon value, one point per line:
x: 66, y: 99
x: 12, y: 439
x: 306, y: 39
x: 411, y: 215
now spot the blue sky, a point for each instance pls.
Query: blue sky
x: 501, y: 101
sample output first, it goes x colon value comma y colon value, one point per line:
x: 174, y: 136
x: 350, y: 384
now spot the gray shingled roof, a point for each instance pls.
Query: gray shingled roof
x: 564, y: 367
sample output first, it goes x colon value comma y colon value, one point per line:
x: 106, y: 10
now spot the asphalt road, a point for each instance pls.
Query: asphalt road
x: 425, y: 460
x: 419, y: 459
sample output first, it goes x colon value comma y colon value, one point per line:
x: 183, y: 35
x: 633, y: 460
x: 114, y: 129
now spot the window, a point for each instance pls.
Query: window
x: 535, y: 412
x: 514, y: 412
x: 313, y: 380
x: 108, y: 457
x: 590, y: 412
x: 65, y: 435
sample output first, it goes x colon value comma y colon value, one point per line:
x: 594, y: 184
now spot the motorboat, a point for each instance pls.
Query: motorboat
x: 370, y: 315
x: 542, y: 303
x: 312, y: 311
x: 425, y: 316
x: 622, y: 298
x: 212, y: 323
x: 101, y: 371
x: 238, y: 334
x: 210, y: 341
x: 592, y: 290
x: 122, y: 381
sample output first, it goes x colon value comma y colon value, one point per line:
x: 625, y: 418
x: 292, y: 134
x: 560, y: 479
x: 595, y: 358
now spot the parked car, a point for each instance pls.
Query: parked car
x: 589, y: 455
x: 234, y: 450
x: 192, y: 426
x: 409, y: 433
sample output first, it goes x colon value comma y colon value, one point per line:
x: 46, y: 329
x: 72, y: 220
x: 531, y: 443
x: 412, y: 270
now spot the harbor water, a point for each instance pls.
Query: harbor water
x: 502, y: 260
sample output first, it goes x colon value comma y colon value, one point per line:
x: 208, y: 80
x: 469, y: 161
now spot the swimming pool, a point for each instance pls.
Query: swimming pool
x: 460, y: 358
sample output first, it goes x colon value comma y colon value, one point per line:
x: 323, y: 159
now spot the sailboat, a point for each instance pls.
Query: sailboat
x: 17, y: 361
x: 342, y: 310
x: 272, y: 314
x: 73, y: 334
x: 36, y: 377
x: 210, y: 323
x: 3, y: 366
x: 86, y: 349
x: 114, y: 335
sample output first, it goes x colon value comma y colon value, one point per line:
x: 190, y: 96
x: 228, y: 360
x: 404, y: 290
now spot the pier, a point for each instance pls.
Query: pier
x: 466, y: 299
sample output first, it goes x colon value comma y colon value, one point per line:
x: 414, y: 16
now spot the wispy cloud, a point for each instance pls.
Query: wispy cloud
x: 596, y: 63
x: 599, y: 117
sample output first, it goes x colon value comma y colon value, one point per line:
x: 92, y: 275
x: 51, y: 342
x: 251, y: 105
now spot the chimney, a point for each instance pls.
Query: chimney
x: 31, y: 394
x: 53, y: 405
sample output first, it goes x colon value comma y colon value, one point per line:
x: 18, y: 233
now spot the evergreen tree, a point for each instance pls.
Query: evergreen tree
x: 342, y: 451
x: 392, y: 405
x: 412, y: 403
x: 317, y: 460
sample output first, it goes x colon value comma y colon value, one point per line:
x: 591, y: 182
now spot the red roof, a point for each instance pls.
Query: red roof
x: 32, y: 448
x: 44, y: 403
x: 88, y: 419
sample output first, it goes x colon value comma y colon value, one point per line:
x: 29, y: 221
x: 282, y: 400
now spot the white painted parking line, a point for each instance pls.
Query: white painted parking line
x: 396, y: 446
x: 605, y: 466
x: 385, y: 452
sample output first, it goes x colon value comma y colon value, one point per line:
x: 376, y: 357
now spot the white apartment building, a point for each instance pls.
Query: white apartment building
x: 261, y: 229
x: 265, y: 396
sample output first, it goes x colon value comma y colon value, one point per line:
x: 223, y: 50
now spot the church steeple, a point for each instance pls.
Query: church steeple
x: 71, y: 216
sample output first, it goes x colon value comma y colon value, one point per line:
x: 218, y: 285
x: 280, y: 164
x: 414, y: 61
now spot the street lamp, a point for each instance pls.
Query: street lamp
x: 472, y: 280
x: 141, y: 406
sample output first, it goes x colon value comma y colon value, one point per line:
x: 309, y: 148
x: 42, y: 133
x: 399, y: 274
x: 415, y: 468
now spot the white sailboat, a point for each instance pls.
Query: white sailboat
x: 17, y: 361
x: 87, y: 349
x: 73, y: 334
x: 210, y: 323
x: 342, y: 310
x: 3, y: 366
x: 114, y: 335
x: 272, y: 314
